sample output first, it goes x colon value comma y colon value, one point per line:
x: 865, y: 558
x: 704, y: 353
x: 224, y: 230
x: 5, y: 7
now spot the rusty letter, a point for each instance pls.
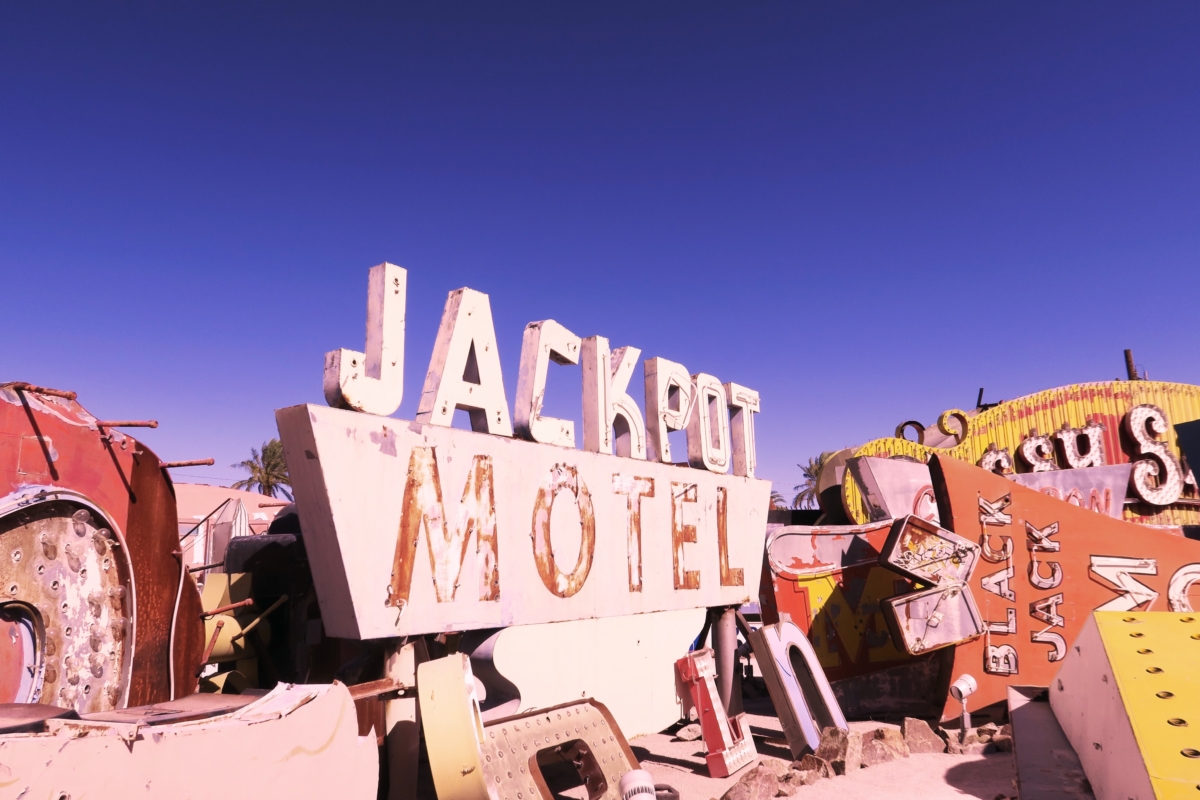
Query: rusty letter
x: 729, y: 576
x: 681, y: 534
x: 422, y: 507
x: 634, y: 489
x: 560, y: 477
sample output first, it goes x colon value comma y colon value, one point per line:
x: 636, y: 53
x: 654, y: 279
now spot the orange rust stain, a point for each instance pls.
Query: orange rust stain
x: 563, y: 477
x: 682, y: 534
x: 730, y: 576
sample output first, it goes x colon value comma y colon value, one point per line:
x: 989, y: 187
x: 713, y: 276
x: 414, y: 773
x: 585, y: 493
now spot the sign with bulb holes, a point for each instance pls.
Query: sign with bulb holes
x: 416, y: 527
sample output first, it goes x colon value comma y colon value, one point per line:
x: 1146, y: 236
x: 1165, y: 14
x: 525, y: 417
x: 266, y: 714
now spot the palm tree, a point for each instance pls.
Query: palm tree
x: 777, y: 501
x: 268, y: 471
x: 806, y: 492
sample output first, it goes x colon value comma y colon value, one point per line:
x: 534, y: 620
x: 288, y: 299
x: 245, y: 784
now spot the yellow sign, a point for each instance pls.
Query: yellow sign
x: 1088, y: 424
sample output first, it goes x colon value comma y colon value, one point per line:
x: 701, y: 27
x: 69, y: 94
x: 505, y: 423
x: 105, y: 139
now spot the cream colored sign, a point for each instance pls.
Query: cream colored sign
x: 415, y: 528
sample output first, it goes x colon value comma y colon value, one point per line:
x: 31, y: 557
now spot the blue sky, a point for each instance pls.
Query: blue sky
x: 866, y: 211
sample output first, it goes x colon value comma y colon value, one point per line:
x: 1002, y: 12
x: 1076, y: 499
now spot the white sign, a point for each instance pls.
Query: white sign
x: 415, y: 527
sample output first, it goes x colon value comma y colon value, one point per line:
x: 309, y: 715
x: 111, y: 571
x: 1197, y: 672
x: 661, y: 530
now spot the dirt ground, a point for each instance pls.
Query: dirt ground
x: 929, y: 776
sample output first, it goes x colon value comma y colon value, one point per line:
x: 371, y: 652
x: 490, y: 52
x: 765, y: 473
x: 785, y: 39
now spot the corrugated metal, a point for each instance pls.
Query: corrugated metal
x: 1009, y: 423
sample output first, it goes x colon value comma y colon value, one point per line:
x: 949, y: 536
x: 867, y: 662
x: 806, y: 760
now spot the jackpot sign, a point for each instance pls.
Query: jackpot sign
x: 416, y: 527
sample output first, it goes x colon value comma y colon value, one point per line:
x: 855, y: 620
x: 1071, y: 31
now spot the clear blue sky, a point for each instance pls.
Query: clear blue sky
x: 866, y: 211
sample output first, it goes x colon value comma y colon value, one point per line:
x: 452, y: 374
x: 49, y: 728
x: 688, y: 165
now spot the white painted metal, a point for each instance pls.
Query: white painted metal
x: 353, y: 478
x: 669, y: 401
x: 544, y: 342
x: 708, y: 428
x: 743, y: 405
x: 612, y: 421
x: 373, y: 381
x: 296, y: 741
x: 464, y: 371
x: 627, y: 663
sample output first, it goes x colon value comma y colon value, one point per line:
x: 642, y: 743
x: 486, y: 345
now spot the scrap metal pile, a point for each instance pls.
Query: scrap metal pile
x: 493, y: 613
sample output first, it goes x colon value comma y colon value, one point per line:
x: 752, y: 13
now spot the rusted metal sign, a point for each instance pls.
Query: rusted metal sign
x: 90, y: 582
x: 416, y: 527
x: 1044, y: 566
x: 1069, y: 428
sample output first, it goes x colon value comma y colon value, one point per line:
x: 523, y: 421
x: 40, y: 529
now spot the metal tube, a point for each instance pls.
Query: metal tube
x: 127, y: 423
x: 199, y: 462
x: 22, y: 386
x: 1130, y: 368
x: 232, y: 606
x: 724, y: 635
x: 254, y: 623
x: 206, y: 566
x: 211, y: 644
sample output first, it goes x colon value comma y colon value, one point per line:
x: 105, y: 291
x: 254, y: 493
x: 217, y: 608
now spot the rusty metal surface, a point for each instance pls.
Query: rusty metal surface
x: 1046, y: 564
x: 52, y: 449
x: 389, y: 505
x: 153, y: 535
x: 1073, y: 426
x: 67, y: 568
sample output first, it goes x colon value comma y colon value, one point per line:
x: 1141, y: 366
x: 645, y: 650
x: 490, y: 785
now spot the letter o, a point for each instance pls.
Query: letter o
x: 563, y: 477
x: 1181, y: 581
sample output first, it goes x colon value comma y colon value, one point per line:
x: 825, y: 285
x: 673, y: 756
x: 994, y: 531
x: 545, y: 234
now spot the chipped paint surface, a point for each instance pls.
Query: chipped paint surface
x: 54, y: 454
x: 1047, y: 565
x: 1087, y: 424
x: 560, y: 478
x: 68, y: 568
x: 365, y: 513
x: 296, y: 741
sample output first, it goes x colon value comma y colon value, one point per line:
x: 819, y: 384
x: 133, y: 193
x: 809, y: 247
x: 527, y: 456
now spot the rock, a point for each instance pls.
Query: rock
x: 792, y: 782
x: 759, y: 783
x: 1003, y: 742
x: 970, y: 747
x: 842, y: 749
x: 815, y: 764
x: 1006, y: 730
x: 780, y: 767
x: 986, y: 732
x: 920, y: 738
x: 689, y: 733
x: 885, y: 744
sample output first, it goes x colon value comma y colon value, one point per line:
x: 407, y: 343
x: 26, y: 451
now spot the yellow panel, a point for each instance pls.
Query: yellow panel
x: 1009, y: 423
x: 1153, y: 656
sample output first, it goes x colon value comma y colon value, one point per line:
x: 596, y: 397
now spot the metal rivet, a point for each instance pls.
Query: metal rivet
x: 1145, y: 651
x: 1187, y: 619
x: 1137, y: 635
x: 1154, y: 670
x: 1164, y: 695
x: 1177, y: 722
x: 1190, y: 752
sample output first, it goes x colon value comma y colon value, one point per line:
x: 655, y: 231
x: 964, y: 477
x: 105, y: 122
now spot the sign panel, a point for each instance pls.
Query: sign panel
x: 418, y: 528
x: 1044, y: 566
x: 1073, y: 427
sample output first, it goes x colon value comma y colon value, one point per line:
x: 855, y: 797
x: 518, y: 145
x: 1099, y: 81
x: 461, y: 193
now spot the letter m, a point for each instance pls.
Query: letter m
x: 422, y: 508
